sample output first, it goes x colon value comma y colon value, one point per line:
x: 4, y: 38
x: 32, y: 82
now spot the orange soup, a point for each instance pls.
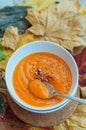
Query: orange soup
x: 38, y: 67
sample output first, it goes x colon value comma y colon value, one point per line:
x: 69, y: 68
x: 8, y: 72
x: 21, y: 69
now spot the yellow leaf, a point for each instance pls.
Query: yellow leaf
x: 83, y: 11
x: 38, y: 4
x: 24, y: 38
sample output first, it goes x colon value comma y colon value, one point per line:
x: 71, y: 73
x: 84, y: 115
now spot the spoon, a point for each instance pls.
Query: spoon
x: 53, y: 92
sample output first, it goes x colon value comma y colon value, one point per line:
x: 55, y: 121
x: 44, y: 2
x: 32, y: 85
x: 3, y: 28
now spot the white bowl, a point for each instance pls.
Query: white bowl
x: 41, y: 46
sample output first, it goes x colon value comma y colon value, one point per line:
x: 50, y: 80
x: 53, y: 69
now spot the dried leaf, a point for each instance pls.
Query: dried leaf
x: 62, y: 24
x: 78, y: 4
x: 24, y: 38
x: 81, y: 62
x: 77, y: 121
x: 10, y: 37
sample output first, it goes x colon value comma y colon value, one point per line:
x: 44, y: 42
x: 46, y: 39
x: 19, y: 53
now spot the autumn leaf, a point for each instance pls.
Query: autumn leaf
x: 10, y: 37
x: 24, y: 39
x: 83, y: 11
x: 8, y: 51
x: 81, y: 63
x: 62, y: 24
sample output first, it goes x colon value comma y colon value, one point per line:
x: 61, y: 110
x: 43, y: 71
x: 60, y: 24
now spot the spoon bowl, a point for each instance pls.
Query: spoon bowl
x: 53, y: 92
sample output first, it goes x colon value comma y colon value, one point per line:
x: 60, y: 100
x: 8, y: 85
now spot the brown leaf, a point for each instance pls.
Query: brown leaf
x: 62, y: 24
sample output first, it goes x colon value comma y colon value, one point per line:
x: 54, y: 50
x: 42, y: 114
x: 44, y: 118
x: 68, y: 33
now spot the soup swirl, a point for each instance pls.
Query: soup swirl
x: 42, y: 66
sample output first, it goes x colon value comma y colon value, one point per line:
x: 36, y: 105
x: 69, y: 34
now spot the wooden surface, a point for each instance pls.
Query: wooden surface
x: 43, y: 120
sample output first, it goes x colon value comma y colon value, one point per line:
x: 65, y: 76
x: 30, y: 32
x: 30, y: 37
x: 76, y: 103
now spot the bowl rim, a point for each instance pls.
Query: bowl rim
x: 37, y: 109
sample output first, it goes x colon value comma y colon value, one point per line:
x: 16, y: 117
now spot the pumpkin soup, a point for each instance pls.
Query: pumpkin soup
x: 35, y: 68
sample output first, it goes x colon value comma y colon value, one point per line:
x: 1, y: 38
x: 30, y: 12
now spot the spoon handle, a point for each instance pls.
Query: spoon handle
x: 73, y: 98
